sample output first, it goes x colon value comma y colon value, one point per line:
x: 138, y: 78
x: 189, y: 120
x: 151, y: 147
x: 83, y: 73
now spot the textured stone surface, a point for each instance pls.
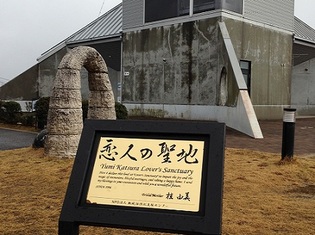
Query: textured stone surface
x: 101, y: 99
x: 65, y: 109
x: 86, y: 57
x: 65, y: 99
x: 65, y: 121
x: 62, y: 146
x: 96, y: 82
x: 68, y: 79
x: 100, y: 113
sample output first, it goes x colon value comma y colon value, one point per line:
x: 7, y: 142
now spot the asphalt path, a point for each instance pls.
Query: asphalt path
x: 12, y: 139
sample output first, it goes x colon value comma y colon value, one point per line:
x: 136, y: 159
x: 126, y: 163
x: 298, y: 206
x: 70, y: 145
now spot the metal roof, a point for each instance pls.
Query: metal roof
x: 106, y: 26
x: 302, y: 31
x: 304, y: 42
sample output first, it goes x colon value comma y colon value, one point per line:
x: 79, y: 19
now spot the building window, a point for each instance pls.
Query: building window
x: 156, y: 10
x: 233, y: 5
x: 246, y: 71
x: 203, y: 5
x: 164, y: 9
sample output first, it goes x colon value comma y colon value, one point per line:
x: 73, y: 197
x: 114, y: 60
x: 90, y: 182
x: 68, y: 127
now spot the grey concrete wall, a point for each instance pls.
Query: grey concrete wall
x: 270, y: 52
x: 303, y: 84
x: 233, y: 106
x: 193, y: 59
x: 177, y: 64
x: 23, y: 87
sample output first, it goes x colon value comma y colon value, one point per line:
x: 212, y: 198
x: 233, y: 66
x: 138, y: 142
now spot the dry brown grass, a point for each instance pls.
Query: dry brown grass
x: 265, y: 196
x: 19, y: 127
x: 261, y: 196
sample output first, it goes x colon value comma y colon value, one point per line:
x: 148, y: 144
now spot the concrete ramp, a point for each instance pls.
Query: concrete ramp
x: 242, y: 117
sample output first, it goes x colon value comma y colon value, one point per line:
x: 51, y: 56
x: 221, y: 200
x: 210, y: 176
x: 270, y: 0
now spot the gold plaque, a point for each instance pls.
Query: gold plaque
x: 147, y: 173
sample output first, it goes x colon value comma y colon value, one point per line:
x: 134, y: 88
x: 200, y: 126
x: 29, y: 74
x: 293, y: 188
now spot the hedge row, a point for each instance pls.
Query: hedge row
x: 10, y: 112
x: 42, y: 106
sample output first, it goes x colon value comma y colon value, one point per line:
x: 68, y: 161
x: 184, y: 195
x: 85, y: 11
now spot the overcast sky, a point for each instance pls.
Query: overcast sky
x: 28, y: 28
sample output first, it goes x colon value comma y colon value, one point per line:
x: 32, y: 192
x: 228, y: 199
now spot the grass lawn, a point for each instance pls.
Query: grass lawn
x: 261, y: 195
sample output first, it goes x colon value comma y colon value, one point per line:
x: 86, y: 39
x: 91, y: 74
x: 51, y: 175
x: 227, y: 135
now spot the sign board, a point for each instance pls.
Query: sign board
x: 155, y: 175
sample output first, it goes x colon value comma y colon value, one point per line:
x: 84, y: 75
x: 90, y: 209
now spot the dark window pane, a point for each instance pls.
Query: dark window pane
x: 156, y: 10
x: 233, y: 5
x: 203, y: 5
x: 246, y: 71
x: 164, y: 9
x: 183, y: 7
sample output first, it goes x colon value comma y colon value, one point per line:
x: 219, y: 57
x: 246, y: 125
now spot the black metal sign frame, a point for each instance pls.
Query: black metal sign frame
x: 207, y: 220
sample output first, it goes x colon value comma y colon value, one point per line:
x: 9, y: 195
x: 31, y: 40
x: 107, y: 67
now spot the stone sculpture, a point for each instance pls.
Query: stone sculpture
x: 65, y: 122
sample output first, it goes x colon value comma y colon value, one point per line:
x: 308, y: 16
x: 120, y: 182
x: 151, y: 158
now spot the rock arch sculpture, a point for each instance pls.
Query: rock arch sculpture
x: 65, y: 122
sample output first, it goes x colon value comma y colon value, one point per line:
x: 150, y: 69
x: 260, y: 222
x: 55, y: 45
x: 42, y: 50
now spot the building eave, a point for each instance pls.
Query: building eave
x: 304, y: 42
x: 109, y: 38
x: 51, y: 51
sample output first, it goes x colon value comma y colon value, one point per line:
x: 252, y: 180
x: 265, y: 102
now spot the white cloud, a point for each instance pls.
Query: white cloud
x: 30, y: 27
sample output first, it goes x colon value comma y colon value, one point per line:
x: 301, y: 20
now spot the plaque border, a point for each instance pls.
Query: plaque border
x: 207, y: 221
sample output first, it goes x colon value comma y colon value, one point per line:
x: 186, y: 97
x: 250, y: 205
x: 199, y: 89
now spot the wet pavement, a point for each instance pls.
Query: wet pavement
x: 272, y: 142
x: 11, y: 139
x: 304, y: 143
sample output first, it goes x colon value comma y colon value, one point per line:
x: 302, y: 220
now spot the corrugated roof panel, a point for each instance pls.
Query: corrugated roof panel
x: 106, y: 25
x: 303, y: 31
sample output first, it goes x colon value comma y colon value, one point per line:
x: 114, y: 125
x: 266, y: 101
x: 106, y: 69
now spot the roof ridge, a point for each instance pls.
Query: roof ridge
x: 305, y: 24
x: 303, y: 31
x: 62, y: 43
x: 93, y: 22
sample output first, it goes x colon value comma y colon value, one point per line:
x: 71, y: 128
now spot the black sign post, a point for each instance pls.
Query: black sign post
x: 162, y: 176
x: 288, y: 133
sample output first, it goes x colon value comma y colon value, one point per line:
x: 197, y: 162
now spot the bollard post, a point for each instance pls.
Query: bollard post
x: 288, y: 133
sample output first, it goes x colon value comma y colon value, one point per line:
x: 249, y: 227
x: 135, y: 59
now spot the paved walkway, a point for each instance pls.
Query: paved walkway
x: 272, y: 142
x: 11, y: 139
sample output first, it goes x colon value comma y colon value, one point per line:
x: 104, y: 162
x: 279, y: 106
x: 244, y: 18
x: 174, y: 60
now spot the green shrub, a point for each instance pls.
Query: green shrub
x: 41, y: 108
x: 28, y: 119
x: 121, y: 111
x: 1, y: 110
x: 10, y: 112
x: 12, y: 107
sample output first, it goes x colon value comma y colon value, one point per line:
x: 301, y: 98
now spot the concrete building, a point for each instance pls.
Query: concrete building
x: 303, y: 74
x: 230, y: 61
